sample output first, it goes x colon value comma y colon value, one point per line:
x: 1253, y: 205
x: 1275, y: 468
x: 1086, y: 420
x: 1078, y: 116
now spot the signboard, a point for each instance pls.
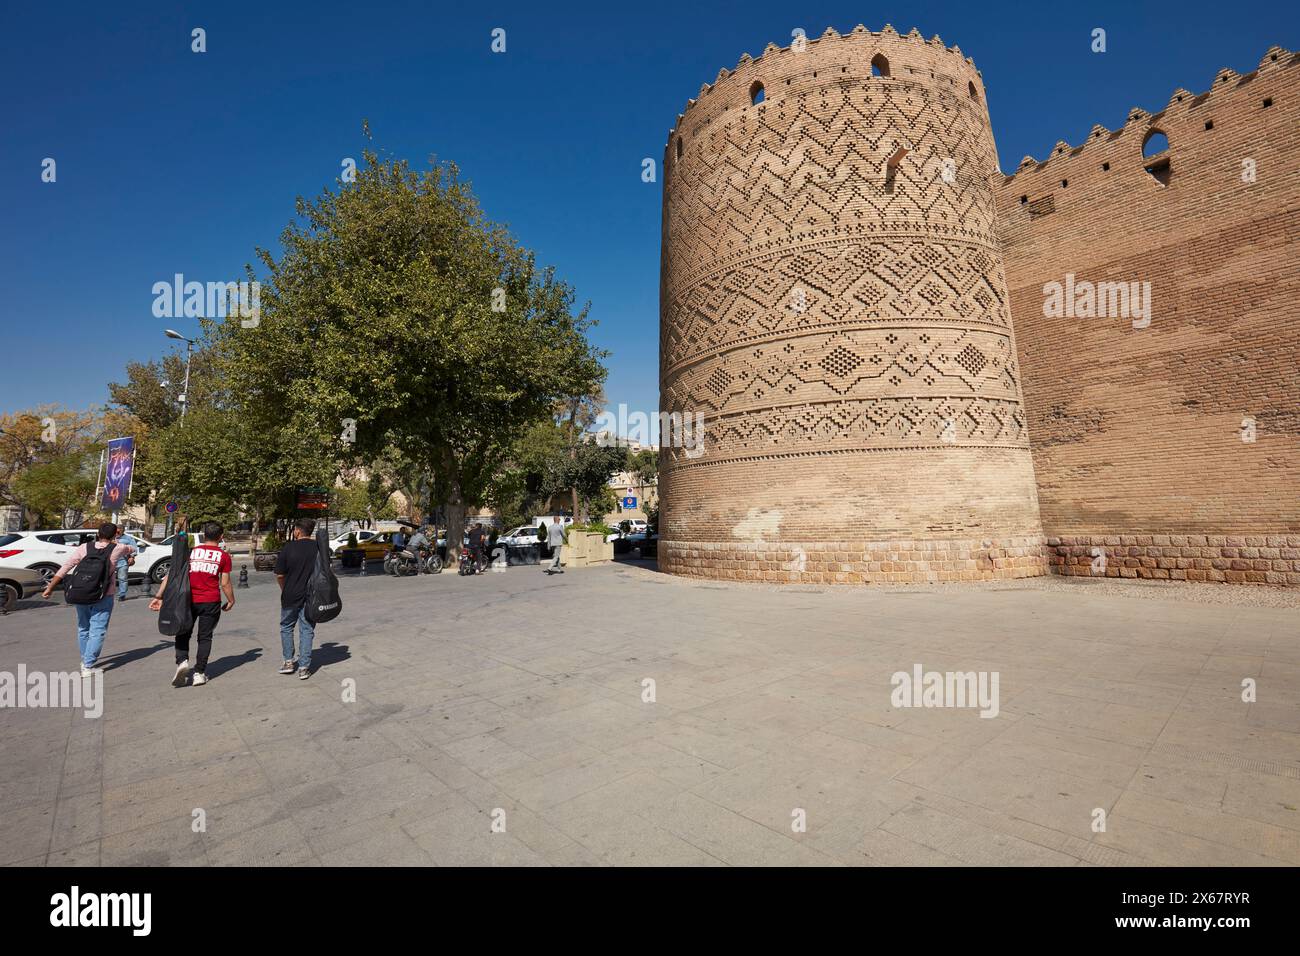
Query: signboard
x: 629, y: 504
x: 313, y: 498
x: 171, y: 507
x: 118, y: 474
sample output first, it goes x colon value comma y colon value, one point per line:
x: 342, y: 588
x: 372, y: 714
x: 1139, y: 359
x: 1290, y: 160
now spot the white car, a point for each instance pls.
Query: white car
x: 46, y: 551
x: 341, y: 541
x: 626, y: 527
x: 516, y: 537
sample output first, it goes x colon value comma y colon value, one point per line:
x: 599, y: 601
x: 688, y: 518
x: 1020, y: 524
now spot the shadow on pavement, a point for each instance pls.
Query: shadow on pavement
x: 121, y: 659
x: 330, y: 653
x: 223, y: 664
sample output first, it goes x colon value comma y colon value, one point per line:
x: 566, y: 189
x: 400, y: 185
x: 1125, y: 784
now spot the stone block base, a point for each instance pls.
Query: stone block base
x: 1230, y: 559
x: 858, y: 562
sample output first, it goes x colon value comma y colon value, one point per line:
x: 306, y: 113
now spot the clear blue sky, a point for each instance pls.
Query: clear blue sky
x: 170, y: 161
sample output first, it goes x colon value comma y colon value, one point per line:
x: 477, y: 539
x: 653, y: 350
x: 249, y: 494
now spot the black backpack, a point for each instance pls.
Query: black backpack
x: 323, y: 601
x: 88, y: 583
x: 176, y: 614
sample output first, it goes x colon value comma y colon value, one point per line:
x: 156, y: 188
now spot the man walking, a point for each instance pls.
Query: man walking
x: 209, y: 579
x: 555, y: 540
x: 123, y: 563
x: 94, y: 585
x: 293, y: 570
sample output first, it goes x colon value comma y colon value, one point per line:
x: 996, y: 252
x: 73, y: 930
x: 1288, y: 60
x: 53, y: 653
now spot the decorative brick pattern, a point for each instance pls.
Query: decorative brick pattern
x: 833, y: 301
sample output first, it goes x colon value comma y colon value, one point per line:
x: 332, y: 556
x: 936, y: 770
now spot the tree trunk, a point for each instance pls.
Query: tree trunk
x: 455, y: 507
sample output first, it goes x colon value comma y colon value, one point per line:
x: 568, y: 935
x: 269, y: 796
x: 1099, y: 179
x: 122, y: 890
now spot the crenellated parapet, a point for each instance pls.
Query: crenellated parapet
x: 910, y: 56
x: 1182, y: 109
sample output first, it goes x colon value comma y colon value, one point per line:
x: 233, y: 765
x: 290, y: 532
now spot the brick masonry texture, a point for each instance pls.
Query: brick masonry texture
x: 833, y: 302
x: 1137, y: 433
x: 837, y: 241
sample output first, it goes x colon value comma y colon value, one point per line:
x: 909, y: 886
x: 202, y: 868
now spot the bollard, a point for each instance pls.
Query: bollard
x: 243, y: 575
x: 363, y: 564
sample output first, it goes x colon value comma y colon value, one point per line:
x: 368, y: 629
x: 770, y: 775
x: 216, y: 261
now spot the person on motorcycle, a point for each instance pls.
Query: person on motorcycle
x: 418, y: 540
x: 476, y: 543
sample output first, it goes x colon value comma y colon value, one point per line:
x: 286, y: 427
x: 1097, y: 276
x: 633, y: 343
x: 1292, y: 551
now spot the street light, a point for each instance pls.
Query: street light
x: 185, y: 389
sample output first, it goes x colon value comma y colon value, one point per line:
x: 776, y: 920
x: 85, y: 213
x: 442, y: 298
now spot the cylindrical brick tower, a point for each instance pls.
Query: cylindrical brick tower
x: 833, y: 302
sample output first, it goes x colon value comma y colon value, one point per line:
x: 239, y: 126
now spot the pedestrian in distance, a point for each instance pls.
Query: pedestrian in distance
x: 122, y: 564
x: 210, y: 566
x: 91, y: 571
x: 555, y: 541
x: 293, y: 570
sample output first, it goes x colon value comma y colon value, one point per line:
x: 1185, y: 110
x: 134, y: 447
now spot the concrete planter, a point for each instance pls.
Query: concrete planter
x: 585, y: 548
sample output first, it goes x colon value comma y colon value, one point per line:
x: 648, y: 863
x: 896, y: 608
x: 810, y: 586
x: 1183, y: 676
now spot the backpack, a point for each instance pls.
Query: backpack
x: 176, y: 614
x: 88, y: 583
x: 323, y: 601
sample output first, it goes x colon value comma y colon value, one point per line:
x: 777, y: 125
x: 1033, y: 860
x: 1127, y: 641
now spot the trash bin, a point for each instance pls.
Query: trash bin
x: 521, y: 554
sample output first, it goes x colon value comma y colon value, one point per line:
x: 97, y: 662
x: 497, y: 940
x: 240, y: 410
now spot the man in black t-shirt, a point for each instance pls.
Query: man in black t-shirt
x: 476, y: 543
x: 293, y: 569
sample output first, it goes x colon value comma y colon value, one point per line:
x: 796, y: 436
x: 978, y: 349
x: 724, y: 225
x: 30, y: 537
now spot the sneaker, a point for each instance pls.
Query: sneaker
x: 287, y: 667
x: 304, y: 673
x: 199, y: 679
x: 91, y: 671
x: 182, y: 672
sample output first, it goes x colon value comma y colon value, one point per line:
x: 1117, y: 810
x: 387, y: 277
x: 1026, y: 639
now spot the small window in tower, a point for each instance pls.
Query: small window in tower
x: 1064, y: 183
x: 1156, y: 142
x: 970, y: 88
x: 1105, y: 167
x: 756, y: 94
x: 1268, y: 102
x: 1023, y: 200
x: 1209, y: 125
x: 1156, y: 145
x: 879, y: 65
x: 679, y: 147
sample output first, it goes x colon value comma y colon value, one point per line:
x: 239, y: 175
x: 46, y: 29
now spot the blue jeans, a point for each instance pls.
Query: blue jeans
x: 121, y: 578
x: 92, y: 625
x: 306, y: 634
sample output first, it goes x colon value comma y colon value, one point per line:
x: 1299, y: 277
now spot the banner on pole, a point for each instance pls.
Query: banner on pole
x: 118, y: 473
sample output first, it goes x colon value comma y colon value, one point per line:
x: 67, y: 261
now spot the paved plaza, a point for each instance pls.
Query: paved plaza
x: 504, y: 719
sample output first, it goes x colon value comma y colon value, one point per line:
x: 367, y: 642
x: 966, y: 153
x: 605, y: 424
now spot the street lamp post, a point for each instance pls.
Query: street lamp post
x: 185, y: 389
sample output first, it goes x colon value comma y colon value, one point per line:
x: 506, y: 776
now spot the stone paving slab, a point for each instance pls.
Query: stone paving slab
x: 505, y: 720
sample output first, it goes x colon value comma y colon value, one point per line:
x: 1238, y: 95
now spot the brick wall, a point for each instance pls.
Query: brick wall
x: 1137, y: 433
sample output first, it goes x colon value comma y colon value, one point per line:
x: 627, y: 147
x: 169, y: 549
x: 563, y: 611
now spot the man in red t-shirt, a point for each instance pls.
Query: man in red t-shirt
x: 209, y: 578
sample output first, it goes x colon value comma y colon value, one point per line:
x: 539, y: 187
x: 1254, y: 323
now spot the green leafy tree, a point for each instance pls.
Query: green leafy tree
x: 399, y: 309
x: 58, y: 490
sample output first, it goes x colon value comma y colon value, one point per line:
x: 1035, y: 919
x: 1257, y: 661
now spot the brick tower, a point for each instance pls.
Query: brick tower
x: 833, y: 301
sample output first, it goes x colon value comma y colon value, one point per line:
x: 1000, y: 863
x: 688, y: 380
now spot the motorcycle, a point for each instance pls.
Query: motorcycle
x: 468, y: 561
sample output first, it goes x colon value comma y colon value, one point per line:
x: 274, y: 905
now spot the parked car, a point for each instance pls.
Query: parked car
x: 160, y: 560
x: 516, y: 537
x: 17, y: 583
x: 341, y: 541
x: 45, y: 552
x: 628, y: 526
